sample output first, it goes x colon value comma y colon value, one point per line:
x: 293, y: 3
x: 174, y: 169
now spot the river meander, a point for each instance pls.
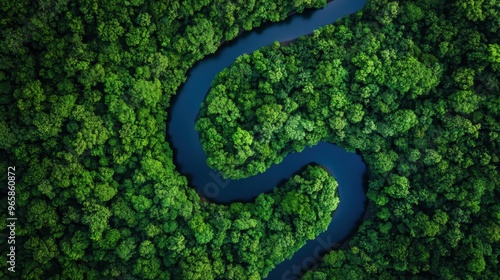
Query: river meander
x: 347, y: 168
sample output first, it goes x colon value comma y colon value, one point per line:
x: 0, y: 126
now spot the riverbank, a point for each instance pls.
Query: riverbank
x: 263, y: 26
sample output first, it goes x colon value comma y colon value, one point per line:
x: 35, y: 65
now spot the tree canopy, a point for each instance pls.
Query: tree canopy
x: 413, y: 86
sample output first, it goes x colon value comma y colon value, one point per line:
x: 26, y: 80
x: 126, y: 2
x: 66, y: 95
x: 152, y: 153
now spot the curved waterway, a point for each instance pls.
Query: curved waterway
x: 347, y: 168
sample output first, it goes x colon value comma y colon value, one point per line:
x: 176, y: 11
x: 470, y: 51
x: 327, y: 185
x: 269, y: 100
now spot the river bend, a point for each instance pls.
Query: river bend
x: 347, y: 168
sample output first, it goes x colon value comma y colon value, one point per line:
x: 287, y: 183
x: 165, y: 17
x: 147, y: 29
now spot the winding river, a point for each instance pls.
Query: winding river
x: 347, y: 168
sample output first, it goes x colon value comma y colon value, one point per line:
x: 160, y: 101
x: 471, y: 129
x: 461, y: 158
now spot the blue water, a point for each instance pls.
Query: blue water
x: 347, y: 168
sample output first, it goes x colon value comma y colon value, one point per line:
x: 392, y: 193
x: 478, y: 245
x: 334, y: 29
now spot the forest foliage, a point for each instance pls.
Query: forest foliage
x: 84, y: 91
x: 413, y: 86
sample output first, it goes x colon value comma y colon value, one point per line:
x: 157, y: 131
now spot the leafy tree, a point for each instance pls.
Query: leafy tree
x: 96, y: 217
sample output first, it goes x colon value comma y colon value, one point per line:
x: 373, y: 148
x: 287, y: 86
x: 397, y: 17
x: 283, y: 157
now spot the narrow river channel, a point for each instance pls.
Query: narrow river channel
x: 347, y: 168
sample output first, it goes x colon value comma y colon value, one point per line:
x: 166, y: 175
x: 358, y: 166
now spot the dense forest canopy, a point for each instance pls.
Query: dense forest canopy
x: 85, y: 86
x: 413, y: 86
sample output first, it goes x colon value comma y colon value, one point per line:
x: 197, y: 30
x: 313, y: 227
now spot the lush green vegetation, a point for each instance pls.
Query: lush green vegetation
x: 414, y: 87
x: 84, y: 88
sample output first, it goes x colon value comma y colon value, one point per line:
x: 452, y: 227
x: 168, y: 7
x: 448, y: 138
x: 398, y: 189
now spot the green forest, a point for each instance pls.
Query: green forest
x: 85, y: 87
